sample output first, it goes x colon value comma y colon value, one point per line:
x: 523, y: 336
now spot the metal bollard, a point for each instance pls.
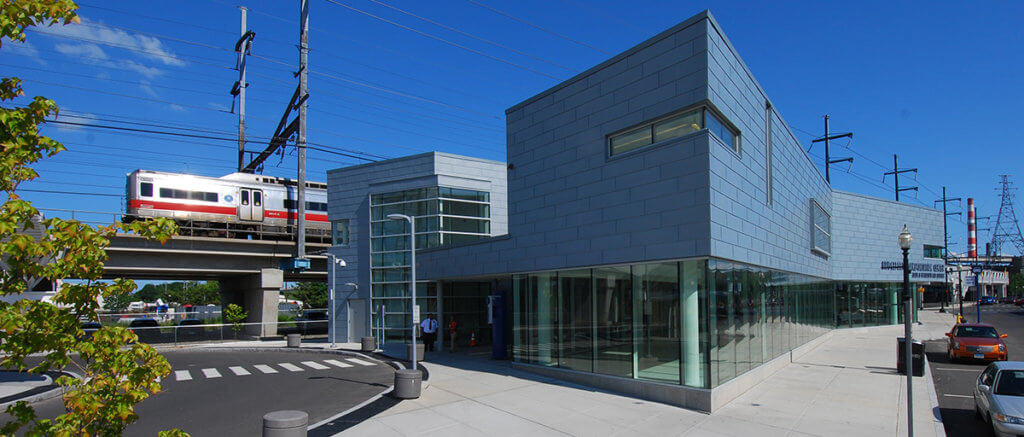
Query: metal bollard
x: 294, y: 340
x: 369, y: 344
x: 408, y: 383
x: 286, y: 423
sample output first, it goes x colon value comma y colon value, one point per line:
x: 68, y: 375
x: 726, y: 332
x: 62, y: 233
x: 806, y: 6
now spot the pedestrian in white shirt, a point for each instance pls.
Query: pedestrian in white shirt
x: 429, y: 328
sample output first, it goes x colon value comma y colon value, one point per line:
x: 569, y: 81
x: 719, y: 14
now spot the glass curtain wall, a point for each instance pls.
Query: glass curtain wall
x: 443, y: 216
x: 868, y: 304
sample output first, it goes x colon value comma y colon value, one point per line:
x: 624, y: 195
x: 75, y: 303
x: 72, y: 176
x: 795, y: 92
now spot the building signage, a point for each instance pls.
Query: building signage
x: 918, y: 270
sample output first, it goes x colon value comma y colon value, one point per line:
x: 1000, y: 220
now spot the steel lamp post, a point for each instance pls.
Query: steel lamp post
x: 331, y: 316
x: 412, y: 262
x: 905, y: 241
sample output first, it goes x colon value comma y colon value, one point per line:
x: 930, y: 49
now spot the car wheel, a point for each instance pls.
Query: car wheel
x: 949, y: 354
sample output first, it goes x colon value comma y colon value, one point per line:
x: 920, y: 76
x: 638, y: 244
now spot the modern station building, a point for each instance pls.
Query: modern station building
x: 656, y: 230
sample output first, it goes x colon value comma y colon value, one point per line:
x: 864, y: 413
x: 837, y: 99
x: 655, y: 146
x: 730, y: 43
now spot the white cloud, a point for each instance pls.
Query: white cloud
x: 77, y: 117
x: 23, y: 49
x: 148, y: 72
x: 91, y: 52
x: 178, y: 108
x: 144, y: 86
x: 144, y: 46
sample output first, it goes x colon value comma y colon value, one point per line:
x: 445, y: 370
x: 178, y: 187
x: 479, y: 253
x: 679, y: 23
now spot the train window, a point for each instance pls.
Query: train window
x: 245, y: 197
x: 212, y: 197
x: 166, y: 192
x: 289, y: 204
x: 146, y: 189
x: 257, y: 198
x: 197, y: 195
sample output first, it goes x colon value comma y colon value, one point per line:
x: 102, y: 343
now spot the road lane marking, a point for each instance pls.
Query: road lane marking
x: 182, y: 375
x: 211, y: 373
x: 315, y: 365
x: 239, y: 370
x: 957, y: 396
x: 958, y: 370
x: 290, y: 366
x: 264, y: 368
x: 360, y: 362
x: 337, y: 363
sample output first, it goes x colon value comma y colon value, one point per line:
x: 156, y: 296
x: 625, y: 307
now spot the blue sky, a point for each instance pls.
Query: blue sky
x: 937, y: 83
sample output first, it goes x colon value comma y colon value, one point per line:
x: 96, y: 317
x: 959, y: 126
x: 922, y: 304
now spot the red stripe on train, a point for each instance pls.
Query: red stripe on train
x: 223, y: 210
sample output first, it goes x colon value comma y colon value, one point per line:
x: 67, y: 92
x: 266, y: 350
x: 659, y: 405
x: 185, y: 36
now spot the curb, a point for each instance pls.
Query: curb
x: 37, y: 394
x: 933, y: 397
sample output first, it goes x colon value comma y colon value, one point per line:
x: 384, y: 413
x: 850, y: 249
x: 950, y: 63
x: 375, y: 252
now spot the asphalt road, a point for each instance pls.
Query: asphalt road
x: 226, y: 393
x: 954, y: 383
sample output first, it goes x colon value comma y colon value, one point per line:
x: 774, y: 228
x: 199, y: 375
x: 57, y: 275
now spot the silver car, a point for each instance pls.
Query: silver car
x: 999, y: 397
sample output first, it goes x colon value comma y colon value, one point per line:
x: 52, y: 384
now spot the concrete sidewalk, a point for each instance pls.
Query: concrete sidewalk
x: 846, y: 386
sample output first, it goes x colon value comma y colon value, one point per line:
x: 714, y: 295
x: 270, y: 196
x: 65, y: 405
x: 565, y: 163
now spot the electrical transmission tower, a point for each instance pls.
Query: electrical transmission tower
x: 1007, y: 229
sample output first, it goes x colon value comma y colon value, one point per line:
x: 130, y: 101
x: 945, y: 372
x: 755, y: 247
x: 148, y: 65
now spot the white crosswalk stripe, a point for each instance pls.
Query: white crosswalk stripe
x: 315, y: 365
x: 264, y: 368
x: 360, y: 362
x: 182, y: 375
x: 338, y: 363
x: 211, y: 373
x: 290, y: 366
x: 239, y: 370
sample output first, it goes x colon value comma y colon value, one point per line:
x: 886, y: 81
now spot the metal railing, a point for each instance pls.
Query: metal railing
x: 223, y: 332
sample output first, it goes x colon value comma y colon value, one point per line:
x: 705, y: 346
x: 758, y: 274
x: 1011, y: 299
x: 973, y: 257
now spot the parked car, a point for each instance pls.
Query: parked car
x: 189, y: 330
x: 988, y: 300
x: 1018, y: 301
x: 999, y: 397
x: 1007, y: 299
x: 148, y: 330
x: 90, y: 328
x: 314, y: 322
x: 975, y: 341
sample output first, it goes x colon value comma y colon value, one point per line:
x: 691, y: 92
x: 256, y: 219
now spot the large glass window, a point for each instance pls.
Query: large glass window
x: 576, y: 336
x: 339, y: 232
x: 656, y: 300
x: 672, y: 126
x: 932, y: 251
x: 614, y: 321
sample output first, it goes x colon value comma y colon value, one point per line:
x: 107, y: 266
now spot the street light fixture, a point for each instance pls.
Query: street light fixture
x: 905, y: 241
x: 331, y: 316
x: 412, y: 263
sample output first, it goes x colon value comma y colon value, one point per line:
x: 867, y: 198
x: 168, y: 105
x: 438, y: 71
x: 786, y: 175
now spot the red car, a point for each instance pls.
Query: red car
x: 1018, y: 301
x: 977, y: 341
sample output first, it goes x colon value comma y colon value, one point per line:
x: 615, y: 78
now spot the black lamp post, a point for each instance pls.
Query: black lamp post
x: 905, y: 240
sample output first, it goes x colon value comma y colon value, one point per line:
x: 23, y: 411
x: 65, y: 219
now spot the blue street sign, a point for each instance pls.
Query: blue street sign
x: 976, y: 269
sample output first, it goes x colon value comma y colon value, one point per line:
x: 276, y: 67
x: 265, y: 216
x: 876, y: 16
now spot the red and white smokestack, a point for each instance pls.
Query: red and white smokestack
x: 972, y: 230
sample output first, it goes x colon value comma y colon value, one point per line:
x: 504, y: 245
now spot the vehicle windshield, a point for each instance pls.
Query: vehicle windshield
x: 1011, y: 383
x: 977, y: 331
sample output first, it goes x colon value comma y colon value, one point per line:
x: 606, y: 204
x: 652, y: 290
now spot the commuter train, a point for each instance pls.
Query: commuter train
x: 238, y: 205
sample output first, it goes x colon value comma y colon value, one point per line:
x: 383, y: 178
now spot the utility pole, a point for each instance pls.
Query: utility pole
x: 896, y: 173
x: 828, y: 158
x: 300, y: 237
x: 945, y: 239
x: 243, y: 47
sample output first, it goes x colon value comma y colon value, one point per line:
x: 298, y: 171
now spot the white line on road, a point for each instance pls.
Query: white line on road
x: 239, y: 370
x: 211, y: 373
x: 182, y: 375
x: 337, y: 363
x: 958, y: 370
x: 360, y: 362
x: 315, y: 365
x: 290, y: 366
x: 264, y: 368
x: 957, y: 396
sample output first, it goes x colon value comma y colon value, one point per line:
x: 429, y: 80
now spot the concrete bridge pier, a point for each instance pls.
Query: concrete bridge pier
x: 258, y: 295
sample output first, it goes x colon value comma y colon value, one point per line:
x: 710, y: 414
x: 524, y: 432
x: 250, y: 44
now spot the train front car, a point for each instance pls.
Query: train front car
x: 238, y: 205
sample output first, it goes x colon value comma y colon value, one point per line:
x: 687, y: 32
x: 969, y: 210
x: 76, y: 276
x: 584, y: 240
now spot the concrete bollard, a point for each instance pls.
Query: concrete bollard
x: 369, y: 344
x: 294, y: 340
x: 419, y: 352
x: 408, y: 383
x: 286, y: 423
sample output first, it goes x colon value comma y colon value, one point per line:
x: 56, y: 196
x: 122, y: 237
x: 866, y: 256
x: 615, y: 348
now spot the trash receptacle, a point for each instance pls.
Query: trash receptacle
x: 917, y: 354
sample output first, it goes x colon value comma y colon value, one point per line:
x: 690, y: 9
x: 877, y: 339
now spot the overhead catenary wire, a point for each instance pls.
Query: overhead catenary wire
x: 445, y: 41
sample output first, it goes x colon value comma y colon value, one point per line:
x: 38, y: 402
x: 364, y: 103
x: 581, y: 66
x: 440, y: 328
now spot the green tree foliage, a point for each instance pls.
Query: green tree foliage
x: 235, y: 315
x: 117, y: 302
x: 117, y: 372
x: 1017, y: 284
x: 312, y: 294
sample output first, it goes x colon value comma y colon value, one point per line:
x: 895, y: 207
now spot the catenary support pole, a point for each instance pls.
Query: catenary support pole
x: 241, y: 91
x: 300, y: 198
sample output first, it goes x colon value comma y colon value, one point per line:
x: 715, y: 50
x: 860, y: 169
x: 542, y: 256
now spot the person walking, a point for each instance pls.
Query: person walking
x: 453, y: 333
x: 429, y: 328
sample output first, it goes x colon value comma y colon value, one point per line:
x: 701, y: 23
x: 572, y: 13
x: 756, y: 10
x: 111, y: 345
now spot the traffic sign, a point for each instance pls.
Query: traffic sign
x: 976, y: 269
x: 416, y: 315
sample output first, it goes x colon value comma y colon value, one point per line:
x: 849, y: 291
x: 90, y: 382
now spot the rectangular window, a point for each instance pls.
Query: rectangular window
x: 932, y: 251
x: 257, y: 198
x: 672, y: 126
x: 339, y: 232
x: 245, y: 197
x: 167, y: 193
x: 146, y: 189
x: 821, y: 230
x: 768, y: 115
